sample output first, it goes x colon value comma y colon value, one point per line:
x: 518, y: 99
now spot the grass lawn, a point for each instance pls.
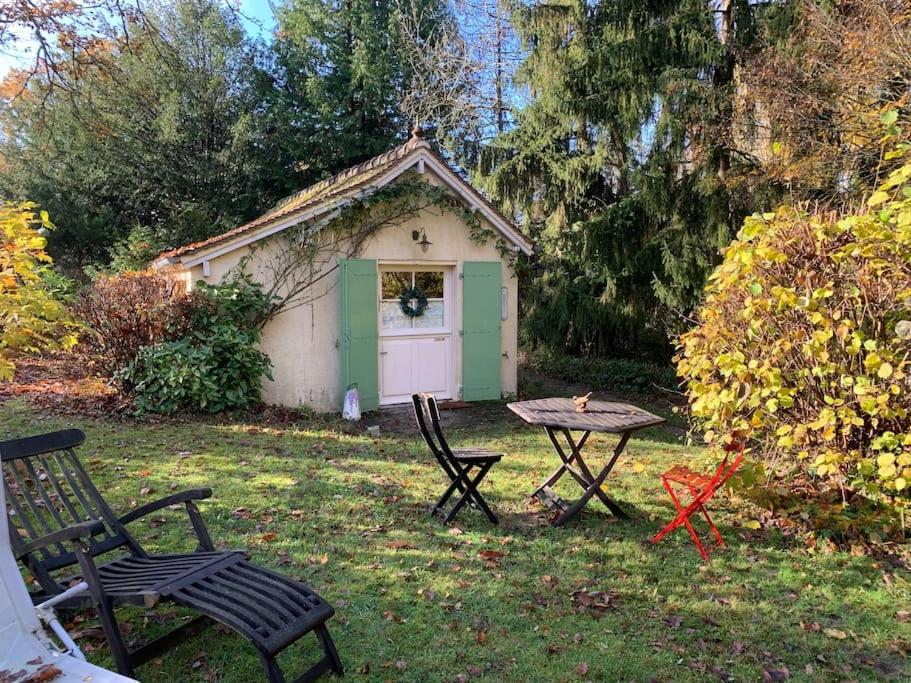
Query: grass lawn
x: 417, y: 601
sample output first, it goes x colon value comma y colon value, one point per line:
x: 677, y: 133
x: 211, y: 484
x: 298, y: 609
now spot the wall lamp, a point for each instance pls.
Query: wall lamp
x: 420, y: 236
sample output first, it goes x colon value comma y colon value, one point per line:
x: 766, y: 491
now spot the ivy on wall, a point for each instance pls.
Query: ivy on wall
x: 310, y: 252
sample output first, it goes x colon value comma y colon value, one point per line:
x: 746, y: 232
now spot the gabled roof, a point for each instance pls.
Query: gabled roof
x: 325, y: 196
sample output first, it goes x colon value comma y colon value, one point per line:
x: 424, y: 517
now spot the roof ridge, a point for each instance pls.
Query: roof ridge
x: 350, y: 180
x: 350, y: 172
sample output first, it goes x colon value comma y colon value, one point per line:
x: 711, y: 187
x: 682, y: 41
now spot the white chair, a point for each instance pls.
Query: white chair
x: 24, y: 645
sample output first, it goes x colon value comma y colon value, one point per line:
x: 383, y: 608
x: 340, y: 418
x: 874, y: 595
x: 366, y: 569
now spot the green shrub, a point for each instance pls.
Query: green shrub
x: 569, y: 315
x: 602, y: 373
x: 804, y: 340
x: 237, y: 300
x: 217, y: 365
x: 211, y: 372
x: 136, y: 251
x: 61, y: 287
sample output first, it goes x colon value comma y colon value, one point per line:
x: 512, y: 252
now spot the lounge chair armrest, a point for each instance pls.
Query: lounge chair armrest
x: 70, y: 533
x: 182, y: 497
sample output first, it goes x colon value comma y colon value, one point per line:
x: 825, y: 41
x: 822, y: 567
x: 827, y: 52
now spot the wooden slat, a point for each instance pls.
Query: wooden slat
x: 600, y: 416
x: 295, y: 592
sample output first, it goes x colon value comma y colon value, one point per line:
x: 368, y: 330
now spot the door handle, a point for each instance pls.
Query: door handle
x: 439, y: 339
x: 383, y: 353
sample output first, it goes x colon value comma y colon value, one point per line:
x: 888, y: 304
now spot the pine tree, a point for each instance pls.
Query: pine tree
x: 342, y: 74
x: 618, y: 164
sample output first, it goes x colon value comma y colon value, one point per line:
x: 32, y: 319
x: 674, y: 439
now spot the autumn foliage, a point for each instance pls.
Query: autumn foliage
x: 30, y: 318
x: 804, y: 340
x: 126, y: 312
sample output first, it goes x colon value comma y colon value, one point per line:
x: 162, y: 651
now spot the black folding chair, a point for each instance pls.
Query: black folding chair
x: 58, y: 520
x: 465, y: 467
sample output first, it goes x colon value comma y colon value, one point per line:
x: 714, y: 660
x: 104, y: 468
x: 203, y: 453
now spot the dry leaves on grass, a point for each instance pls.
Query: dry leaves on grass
x: 491, y: 557
x: 595, y: 603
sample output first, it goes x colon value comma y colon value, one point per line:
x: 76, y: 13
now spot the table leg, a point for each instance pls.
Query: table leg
x: 566, y: 465
x: 576, y: 449
x: 594, y: 488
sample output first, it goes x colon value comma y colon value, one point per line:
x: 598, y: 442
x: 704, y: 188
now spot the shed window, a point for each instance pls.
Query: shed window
x: 396, y: 282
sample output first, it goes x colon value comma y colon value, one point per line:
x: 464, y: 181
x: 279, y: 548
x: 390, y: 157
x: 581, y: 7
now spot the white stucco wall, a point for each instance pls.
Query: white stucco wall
x: 304, y: 342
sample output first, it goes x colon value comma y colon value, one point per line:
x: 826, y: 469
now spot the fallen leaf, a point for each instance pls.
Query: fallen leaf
x: 481, y: 637
x: 490, y: 555
x: 400, y: 545
x: 582, y: 669
x: 268, y: 536
x: 594, y: 602
x: 835, y: 633
x: 779, y: 674
x: 549, y: 581
x: 48, y: 672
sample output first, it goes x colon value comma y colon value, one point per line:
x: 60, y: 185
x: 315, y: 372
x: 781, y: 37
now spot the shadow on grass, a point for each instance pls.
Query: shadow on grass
x: 350, y: 515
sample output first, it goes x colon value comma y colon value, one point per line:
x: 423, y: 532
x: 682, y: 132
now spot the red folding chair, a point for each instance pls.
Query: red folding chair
x: 701, y: 487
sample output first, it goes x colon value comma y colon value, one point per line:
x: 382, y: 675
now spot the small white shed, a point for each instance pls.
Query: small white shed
x: 426, y: 304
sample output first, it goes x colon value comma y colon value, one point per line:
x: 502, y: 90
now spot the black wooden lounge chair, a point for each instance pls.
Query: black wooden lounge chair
x: 53, y: 505
x: 458, y: 463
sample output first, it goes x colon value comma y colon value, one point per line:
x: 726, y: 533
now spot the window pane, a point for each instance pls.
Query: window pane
x: 395, y: 283
x: 393, y: 317
x: 431, y: 282
x: 433, y: 315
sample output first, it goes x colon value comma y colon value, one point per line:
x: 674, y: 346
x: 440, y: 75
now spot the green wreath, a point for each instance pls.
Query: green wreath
x: 417, y: 295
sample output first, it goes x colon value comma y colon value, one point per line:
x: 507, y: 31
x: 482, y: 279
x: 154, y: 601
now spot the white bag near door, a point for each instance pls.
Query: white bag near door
x: 352, y: 408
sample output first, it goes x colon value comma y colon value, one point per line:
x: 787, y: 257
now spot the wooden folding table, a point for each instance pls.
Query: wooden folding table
x: 561, y: 415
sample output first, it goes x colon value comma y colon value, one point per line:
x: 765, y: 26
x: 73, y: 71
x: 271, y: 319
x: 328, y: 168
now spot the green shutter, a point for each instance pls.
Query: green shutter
x: 359, y: 333
x: 481, y: 331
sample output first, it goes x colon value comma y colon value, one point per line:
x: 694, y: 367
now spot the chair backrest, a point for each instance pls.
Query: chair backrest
x: 427, y: 415
x: 48, y: 489
x: 422, y: 417
x: 725, y: 471
x: 24, y: 645
x: 17, y: 616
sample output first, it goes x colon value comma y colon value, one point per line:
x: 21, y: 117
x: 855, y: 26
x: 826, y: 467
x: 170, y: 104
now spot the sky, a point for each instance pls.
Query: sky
x: 256, y: 16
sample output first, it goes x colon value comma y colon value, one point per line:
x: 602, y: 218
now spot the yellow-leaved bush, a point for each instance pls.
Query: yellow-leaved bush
x: 30, y: 318
x: 804, y: 338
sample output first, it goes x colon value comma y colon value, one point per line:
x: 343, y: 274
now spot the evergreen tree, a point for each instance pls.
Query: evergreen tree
x: 343, y: 73
x: 619, y: 163
x: 167, y: 134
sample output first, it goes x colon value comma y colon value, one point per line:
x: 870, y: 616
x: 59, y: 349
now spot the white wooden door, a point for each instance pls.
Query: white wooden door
x: 415, y: 353
x: 411, y: 365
